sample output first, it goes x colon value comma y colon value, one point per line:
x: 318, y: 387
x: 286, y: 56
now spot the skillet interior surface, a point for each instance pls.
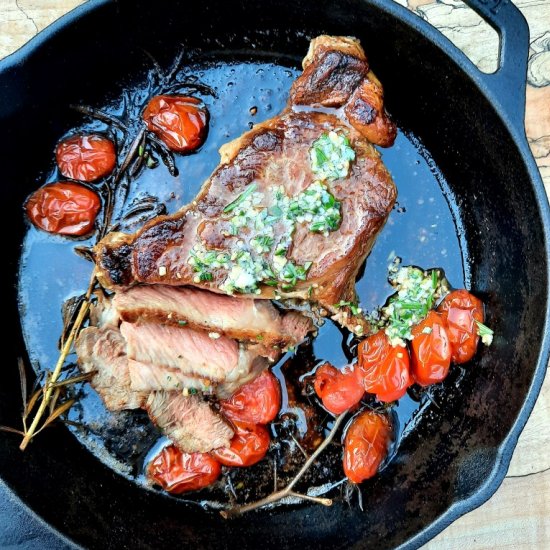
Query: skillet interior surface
x: 453, y: 452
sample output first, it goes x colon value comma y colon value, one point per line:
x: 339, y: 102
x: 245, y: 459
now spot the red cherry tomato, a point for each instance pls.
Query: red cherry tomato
x: 86, y: 158
x: 460, y: 310
x: 383, y: 368
x: 338, y: 390
x: 248, y: 446
x: 178, y: 472
x: 63, y: 208
x: 257, y: 402
x: 366, y: 445
x: 177, y: 120
x: 430, y: 350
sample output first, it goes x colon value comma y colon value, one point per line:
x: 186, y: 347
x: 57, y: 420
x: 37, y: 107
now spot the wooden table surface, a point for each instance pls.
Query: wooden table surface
x: 518, y: 515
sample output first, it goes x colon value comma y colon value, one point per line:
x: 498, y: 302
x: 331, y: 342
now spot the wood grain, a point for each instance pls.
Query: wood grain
x: 518, y: 515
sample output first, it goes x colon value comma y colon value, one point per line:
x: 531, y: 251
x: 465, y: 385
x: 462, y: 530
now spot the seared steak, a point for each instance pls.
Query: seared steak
x: 243, y: 320
x: 103, y: 352
x: 146, y: 377
x: 188, y: 421
x: 273, y: 221
x: 193, y: 352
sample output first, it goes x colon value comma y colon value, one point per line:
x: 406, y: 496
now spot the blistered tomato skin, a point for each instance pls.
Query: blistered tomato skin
x: 178, y: 121
x: 257, y: 402
x: 338, y: 390
x: 178, y: 472
x: 430, y: 350
x: 248, y: 446
x: 366, y: 445
x: 382, y: 368
x: 63, y: 208
x: 460, y: 310
x: 86, y: 157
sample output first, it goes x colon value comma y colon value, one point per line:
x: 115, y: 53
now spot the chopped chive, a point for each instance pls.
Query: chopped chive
x: 410, y: 306
x: 152, y: 162
x: 275, y: 211
x: 485, y: 333
x: 241, y: 198
x: 317, y: 227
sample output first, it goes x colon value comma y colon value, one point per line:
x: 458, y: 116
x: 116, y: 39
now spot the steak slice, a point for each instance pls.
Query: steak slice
x: 192, y: 352
x: 188, y: 421
x: 102, y: 351
x: 241, y: 319
x: 337, y: 94
x: 145, y: 377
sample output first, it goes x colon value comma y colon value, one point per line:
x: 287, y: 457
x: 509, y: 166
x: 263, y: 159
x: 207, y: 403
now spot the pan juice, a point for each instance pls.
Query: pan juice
x: 422, y: 230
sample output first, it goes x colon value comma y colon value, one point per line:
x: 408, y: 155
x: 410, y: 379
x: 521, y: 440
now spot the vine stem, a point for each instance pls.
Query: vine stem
x: 287, y: 491
x: 65, y: 350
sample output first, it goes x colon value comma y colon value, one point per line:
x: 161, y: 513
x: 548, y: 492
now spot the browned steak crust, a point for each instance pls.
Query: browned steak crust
x: 275, y: 155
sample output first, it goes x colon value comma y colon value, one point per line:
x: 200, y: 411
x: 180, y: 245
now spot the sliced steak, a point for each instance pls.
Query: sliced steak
x: 270, y: 164
x: 146, y: 377
x: 188, y: 421
x: 241, y: 319
x: 103, y: 352
x: 192, y: 352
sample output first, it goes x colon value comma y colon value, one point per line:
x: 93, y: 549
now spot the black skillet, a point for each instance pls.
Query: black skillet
x: 471, y: 123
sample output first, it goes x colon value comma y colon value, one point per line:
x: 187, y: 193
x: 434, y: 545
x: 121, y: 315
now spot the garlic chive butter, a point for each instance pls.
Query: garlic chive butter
x: 330, y: 156
x: 264, y: 233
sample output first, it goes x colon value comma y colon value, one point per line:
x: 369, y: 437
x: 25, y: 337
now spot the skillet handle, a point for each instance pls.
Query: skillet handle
x: 509, y: 82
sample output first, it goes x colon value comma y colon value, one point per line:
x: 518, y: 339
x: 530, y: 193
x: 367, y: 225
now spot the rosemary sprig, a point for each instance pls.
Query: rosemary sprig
x: 288, y: 491
x: 49, y: 388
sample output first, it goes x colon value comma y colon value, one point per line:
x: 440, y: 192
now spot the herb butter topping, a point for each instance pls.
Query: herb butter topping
x: 264, y: 233
x: 330, y: 156
x: 417, y: 291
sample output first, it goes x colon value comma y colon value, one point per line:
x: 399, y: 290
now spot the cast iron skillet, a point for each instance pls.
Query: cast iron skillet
x: 471, y: 123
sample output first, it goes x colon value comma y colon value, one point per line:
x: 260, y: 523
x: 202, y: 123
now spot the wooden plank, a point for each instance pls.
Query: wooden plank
x: 518, y: 515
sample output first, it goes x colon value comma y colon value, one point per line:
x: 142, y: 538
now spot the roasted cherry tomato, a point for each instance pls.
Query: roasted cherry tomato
x: 86, y: 158
x: 63, y: 208
x: 257, y: 402
x: 338, y: 390
x: 460, y: 310
x: 177, y: 120
x: 178, y: 472
x: 248, y: 446
x: 383, y: 368
x: 430, y: 350
x: 366, y: 445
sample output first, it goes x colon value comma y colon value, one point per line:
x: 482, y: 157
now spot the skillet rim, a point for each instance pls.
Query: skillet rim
x: 517, y: 132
